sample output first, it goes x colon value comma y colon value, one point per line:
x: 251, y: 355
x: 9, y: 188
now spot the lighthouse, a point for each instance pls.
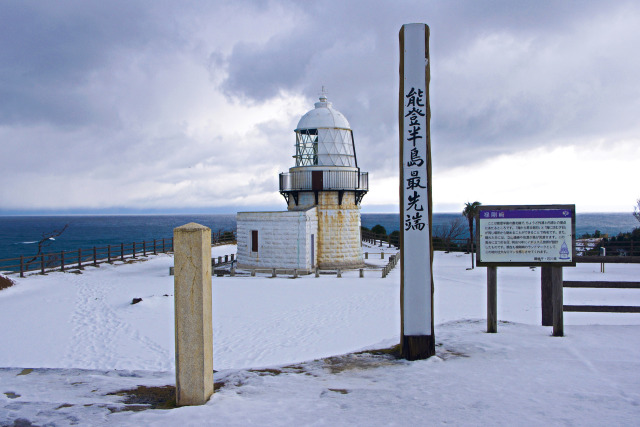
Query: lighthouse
x: 326, y: 176
x: 323, y: 192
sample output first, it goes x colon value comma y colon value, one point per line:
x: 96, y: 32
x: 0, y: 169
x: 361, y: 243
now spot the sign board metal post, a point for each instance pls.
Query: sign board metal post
x: 492, y: 299
x: 546, y: 290
x: 416, y: 256
x: 558, y: 317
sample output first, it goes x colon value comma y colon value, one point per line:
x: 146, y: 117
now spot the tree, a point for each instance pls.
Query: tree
x: 379, y: 229
x: 394, y: 238
x: 636, y: 210
x: 449, y: 232
x: 470, y: 211
x: 46, y: 240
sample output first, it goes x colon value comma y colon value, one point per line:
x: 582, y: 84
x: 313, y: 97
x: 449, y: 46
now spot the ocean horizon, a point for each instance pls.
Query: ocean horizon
x: 19, y: 234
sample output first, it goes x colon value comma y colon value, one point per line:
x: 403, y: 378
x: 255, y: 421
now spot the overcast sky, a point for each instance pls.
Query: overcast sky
x: 177, y: 106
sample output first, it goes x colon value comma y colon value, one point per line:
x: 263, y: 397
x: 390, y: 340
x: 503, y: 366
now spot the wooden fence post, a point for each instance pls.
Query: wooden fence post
x: 42, y: 264
x: 121, y: 251
x: 95, y: 257
x: 134, y: 249
x: 109, y: 254
x: 492, y: 299
x: 80, y: 259
x: 193, y: 319
x: 144, y: 248
x: 163, y: 250
x: 545, y: 293
x: 558, y: 318
x: 21, y: 265
x: 155, y: 251
x: 61, y: 260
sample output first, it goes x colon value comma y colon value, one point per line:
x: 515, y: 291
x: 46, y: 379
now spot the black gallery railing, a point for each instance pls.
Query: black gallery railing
x: 324, y: 180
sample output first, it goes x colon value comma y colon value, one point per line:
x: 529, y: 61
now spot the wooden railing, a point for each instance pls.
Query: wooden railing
x: 624, y: 248
x: 79, y: 258
x: 439, y: 243
x: 601, y: 308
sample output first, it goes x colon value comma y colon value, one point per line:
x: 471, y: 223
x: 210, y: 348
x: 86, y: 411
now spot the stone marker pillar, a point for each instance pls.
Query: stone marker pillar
x: 194, y: 331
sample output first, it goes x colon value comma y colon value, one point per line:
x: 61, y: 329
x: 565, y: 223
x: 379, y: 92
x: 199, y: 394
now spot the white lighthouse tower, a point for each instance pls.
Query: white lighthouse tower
x: 326, y: 176
x: 321, y: 227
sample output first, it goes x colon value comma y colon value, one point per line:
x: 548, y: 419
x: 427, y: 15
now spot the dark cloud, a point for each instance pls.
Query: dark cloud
x: 50, y: 50
x: 163, y: 88
x: 491, y: 88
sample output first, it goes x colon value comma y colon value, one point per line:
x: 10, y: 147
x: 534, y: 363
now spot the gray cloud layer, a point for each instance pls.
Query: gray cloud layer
x: 141, y: 104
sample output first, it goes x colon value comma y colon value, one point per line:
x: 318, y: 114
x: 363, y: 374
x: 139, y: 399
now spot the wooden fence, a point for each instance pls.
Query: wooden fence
x: 79, y: 258
x: 438, y: 243
x: 603, y: 285
x: 614, y: 248
x: 601, y: 308
x: 552, y: 286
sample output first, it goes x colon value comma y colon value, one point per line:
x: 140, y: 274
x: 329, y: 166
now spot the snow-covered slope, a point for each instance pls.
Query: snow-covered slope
x: 84, y: 327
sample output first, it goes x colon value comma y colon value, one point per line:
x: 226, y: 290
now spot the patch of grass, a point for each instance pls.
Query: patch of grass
x: 143, y: 397
x: 132, y: 408
x: 447, y: 354
x: 395, y: 351
x: 360, y: 361
x: 339, y: 390
x: 26, y: 371
x: 151, y: 397
x: 5, y: 282
x: 64, y: 405
x: 267, y: 371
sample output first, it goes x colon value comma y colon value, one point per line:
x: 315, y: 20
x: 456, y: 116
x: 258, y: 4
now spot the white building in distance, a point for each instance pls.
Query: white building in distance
x: 323, y: 192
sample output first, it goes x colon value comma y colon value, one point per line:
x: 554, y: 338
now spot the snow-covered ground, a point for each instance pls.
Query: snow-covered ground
x: 68, y: 339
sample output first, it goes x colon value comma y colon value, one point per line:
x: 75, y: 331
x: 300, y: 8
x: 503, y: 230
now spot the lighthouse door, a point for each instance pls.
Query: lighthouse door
x: 316, y: 180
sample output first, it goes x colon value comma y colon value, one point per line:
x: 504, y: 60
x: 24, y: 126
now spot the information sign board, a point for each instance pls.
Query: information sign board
x: 526, y: 235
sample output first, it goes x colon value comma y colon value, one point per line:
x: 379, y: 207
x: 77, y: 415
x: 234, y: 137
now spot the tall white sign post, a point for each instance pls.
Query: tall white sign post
x: 416, y: 283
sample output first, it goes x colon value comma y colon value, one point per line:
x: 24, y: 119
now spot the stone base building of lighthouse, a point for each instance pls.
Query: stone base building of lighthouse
x: 323, y: 191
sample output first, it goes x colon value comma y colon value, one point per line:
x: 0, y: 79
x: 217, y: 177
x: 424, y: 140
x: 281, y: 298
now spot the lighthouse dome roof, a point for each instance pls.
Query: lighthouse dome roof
x: 323, y: 116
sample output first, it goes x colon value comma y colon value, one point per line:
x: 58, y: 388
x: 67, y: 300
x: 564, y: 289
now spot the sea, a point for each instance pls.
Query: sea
x: 19, y: 234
